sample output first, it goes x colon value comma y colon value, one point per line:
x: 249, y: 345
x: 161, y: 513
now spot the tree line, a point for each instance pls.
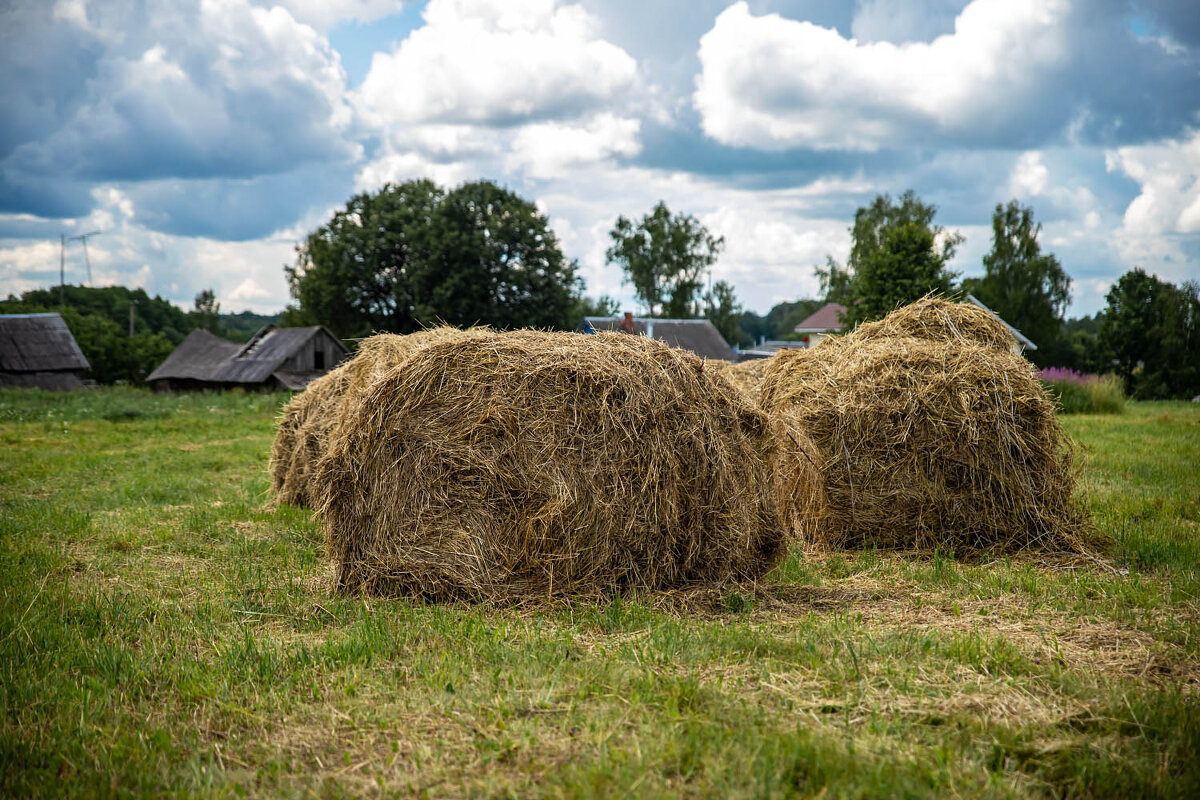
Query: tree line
x: 125, y: 333
x: 1149, y: 332
x: 414, y: 254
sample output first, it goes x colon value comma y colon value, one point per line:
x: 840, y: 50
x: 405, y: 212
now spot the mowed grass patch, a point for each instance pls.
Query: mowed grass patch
x: 161, y: 631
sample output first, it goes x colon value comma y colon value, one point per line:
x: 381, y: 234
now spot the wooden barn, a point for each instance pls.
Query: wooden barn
x: 274, y: 358
x: 38, y: 351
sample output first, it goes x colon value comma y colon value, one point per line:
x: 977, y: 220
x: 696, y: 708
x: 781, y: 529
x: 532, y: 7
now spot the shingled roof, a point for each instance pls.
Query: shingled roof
x: 196, y: 358
x: 209, y: 359
x: 696, y: 335
x: 38, y: 343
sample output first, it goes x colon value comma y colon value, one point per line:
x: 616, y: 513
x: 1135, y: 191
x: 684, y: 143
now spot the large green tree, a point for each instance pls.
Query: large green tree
x: 897, y: 255
x: 723, y: 310
x: 665, y: 257
x: 1026, y: 287
x: 359, y: 272
x: 871, y: 224
x: 1152, y: 329
x: 492, y: 258
x: 412, y: 255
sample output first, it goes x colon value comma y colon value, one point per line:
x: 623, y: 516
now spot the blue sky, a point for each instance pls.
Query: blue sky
x: 205, y: 138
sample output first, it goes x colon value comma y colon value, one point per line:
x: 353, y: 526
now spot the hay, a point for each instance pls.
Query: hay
x: 309, y: 418
x: 927, y: 444
x: 941, y: 321
x: 509, y: 465
x: 745, y: 375
x: 300, y: 438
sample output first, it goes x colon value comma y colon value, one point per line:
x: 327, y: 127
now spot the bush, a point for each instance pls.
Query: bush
x: 1078, y: 393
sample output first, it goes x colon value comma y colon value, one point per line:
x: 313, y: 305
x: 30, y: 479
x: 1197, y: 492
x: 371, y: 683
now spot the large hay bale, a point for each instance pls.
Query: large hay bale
x: 940, y: 321
x: 926, y: 444
x: 747, y: 376
x: 504, y: 465
x: 308, y: 419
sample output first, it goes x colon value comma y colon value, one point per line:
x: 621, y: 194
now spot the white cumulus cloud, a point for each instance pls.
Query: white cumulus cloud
x: 771, y: 82
x: 325, y: 14
x: 549, y: 149
x: 1169, y: 174
x: 494, y: 61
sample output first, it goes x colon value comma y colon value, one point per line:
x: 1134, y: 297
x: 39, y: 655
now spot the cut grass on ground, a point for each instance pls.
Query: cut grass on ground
x: 162, y: 632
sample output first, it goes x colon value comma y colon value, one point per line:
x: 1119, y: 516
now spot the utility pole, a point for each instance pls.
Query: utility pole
x: 62, y: 262
x: 83, y: 237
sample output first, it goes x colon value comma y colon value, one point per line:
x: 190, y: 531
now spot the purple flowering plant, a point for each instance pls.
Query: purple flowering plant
x: 1065, y: 375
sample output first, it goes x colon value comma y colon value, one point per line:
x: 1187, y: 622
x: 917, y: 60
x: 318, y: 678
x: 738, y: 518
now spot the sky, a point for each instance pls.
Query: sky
x: 204, y: 139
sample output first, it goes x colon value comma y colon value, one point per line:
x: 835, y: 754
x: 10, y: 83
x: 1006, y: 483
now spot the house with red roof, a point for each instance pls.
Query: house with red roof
x: 825, y: 321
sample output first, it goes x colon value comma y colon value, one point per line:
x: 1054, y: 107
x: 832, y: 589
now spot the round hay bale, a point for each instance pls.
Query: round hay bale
x: 508, y: 465
x: 926, y: 444
x: 940, y: 321
x: 310, y: 417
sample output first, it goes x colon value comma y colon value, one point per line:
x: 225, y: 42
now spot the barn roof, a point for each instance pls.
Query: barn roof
x: 205, y: 357
x: 266, y: 351
x: 196, y: 358
x: 698, y: 335
x: 38, y: 343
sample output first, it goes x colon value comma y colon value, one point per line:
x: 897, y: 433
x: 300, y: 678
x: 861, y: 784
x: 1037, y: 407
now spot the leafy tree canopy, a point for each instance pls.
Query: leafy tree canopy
x: 207, y: 312
x: 665, y: 257
x: 897, y: 255
x: 906, y: 266
x: 872, y: 222
x: 604, y: 306
x: 1026, y: 287
x: 837, y: 285
x: 151, y: 314
x: 722, y: 309
x: 1152, y: 329
x: 412, y: 255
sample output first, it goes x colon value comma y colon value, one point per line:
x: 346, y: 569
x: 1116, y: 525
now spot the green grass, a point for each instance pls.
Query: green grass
x: 1098, y: 394
x: 161, y: 632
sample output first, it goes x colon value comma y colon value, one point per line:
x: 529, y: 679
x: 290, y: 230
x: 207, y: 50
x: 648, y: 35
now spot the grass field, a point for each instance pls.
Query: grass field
x: 162, y: 633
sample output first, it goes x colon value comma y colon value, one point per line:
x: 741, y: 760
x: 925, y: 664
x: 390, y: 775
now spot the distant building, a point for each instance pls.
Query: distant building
x: 696, y: 335
x: 825, y: 321
x: 38, y: 351
x: 274, y: 358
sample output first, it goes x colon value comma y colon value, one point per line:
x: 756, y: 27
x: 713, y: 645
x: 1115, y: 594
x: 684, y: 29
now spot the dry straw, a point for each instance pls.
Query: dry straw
x: 923, y: 444
x: 509, y: 465
x: 310, y: 416
x: 941, y: 321
x: 745, y: 375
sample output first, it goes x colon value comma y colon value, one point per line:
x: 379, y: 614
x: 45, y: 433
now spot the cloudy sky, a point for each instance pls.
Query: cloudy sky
x: 205, y: 138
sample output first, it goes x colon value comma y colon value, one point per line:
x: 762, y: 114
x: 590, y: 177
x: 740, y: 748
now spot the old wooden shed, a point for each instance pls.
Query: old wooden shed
x: 274, y: 358
x: 38, y: 351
